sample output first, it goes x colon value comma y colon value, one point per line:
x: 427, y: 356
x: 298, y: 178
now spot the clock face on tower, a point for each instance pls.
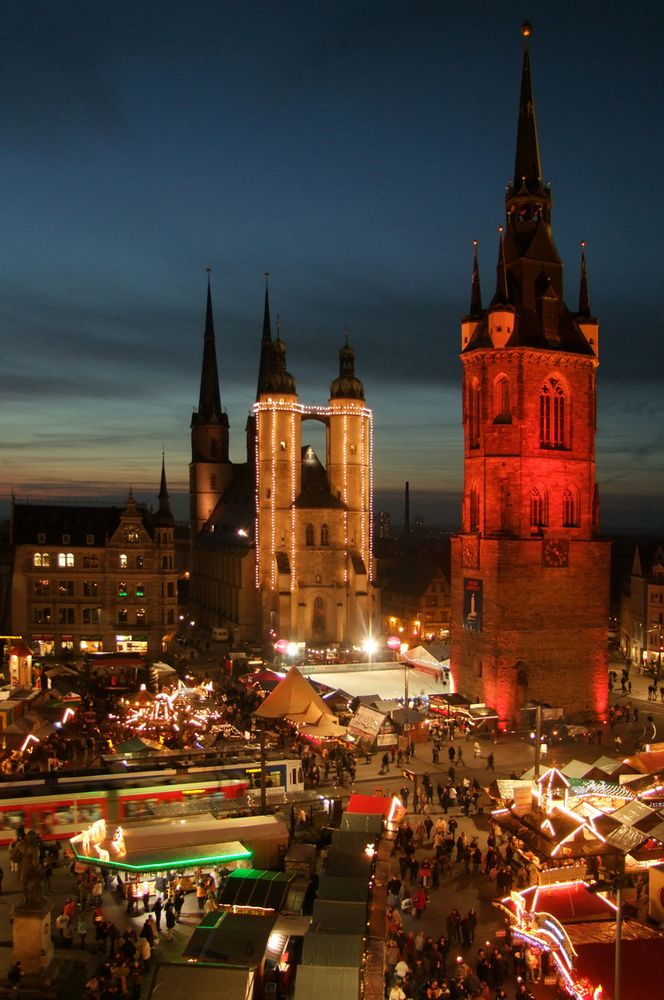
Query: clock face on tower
x: 470, y: 552
x: 555, y: 552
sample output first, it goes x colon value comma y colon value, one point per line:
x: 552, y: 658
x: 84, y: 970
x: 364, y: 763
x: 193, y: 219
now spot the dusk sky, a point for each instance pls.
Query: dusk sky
x: 352, y: 149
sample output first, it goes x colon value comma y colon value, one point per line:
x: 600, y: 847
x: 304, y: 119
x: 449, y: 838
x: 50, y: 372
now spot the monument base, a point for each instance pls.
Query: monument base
x: 31, y: 937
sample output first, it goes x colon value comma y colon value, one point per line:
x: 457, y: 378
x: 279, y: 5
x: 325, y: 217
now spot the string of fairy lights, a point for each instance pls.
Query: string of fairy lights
x: 267, y: 468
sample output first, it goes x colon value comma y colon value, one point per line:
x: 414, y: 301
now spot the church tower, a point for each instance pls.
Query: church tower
x: 530, y: 573
x: 209, y: 470
x: 313, y: 512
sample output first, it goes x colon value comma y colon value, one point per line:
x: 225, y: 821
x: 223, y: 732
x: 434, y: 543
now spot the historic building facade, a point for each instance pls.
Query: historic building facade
x: 530, y: 573
x: 282, y: 543
x: 642, y: 610
x: 93, y: 579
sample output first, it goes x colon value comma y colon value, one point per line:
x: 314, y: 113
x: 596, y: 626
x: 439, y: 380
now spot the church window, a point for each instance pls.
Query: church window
x: 353, y: 449
x: 474, y: 414
x: 552, y: 415
x: 123, y: 560
x: 318, y: 617
x: 502, y: 403
x: 65, y: 559
x: 474, y: 512
x: 41, y: 559
x: 309, y: 535
x: 570, y: 515
x: 324, y: 535
x: 538, y: 517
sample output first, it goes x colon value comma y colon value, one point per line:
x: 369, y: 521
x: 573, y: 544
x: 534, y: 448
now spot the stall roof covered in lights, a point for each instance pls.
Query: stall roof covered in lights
x: 568, y: 902
x: 137, y: 851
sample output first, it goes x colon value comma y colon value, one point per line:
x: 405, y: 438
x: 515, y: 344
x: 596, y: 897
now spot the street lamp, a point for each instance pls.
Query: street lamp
x: 370, y: 646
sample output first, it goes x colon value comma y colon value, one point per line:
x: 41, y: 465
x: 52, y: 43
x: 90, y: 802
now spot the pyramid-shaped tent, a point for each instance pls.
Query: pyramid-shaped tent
x: 294, y: 699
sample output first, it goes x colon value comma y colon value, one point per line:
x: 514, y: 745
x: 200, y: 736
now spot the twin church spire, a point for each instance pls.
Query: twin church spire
x: 273, y: 375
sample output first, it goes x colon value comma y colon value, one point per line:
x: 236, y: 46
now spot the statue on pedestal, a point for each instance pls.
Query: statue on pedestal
x: 26, y: 853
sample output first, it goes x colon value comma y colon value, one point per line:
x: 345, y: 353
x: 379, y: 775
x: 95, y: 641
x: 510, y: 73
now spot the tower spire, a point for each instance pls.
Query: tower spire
x: 165, y: 514
x: 209, y: 401
x: 584, y: 297
x: 475, y: 292
x: 527, y: 165
x: 266, y: 342
x: 501, y: 297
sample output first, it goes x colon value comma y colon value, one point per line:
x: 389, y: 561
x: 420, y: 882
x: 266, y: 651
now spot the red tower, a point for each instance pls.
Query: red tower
x: 530, y: 574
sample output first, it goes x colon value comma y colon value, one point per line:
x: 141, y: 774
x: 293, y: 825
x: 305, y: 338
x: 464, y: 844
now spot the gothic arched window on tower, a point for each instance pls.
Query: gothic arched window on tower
x: 213, y: 481
x: 474, y: 509
x: 502, y: 400
x: 570, y: 510
x: 474, y: 414
x: 318, y: 617
x: 538, y: 518
x: 324, y: 535
x: 309, y: 535
x: 552, y: 415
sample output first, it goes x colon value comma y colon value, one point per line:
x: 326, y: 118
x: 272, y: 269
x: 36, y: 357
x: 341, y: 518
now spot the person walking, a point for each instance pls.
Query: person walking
x: 169, y: 914
x: 490, y: 762
x: 157, y: 909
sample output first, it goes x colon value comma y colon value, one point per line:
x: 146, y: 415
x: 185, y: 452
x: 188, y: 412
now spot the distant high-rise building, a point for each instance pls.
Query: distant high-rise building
x: 530, y: 574
x: 384, y: 524
x: 282, y: 544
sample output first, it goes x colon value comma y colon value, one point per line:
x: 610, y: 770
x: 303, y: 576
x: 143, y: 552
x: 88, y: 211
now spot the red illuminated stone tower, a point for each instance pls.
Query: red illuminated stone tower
x: 530, y: 574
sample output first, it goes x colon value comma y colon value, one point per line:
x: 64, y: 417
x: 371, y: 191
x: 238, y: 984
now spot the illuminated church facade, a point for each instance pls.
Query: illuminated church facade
x: 530, y: 571
x: 282, y: 543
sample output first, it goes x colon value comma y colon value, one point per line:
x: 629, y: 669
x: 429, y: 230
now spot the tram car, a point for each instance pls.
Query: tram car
x: 60, y: 805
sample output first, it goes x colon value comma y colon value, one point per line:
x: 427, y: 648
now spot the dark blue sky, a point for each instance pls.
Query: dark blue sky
x: 352, y: 149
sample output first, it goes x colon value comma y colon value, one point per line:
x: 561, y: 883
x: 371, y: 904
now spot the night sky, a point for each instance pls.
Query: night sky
x: 352, y: 149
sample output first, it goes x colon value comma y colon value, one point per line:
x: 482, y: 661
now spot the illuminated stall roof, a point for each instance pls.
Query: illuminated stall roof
x: 568, y: 902
x: 157, y: 846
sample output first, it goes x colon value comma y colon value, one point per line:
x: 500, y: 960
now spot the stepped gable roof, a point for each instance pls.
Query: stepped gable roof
x: 315, y: 488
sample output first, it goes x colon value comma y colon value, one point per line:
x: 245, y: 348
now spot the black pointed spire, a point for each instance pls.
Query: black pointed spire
x: 475, y: 292
x: 266, y: 343
x: 501, y: 298
x: 209, y: 401
x: 527, y: 165
x: 164, y: 514
x: 584, y: 297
